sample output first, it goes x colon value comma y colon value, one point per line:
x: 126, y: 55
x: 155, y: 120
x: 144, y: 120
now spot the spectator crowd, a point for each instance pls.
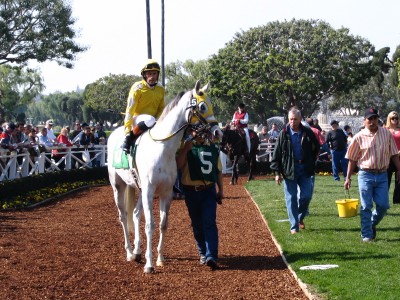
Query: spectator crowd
x: 21, y: 138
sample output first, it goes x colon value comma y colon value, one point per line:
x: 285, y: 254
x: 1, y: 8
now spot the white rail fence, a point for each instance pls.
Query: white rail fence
x: 17, y: 165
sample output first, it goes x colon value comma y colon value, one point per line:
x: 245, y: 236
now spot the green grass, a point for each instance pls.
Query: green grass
x: 366, y: 270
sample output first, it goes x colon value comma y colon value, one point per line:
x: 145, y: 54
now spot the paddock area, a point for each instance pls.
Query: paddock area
x: 73, y: 249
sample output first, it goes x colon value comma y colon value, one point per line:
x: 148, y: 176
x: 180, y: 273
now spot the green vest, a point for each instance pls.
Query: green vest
x: 203, y: 163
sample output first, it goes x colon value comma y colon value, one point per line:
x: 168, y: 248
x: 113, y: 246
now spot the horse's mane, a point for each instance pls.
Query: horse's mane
x: 171, y: 105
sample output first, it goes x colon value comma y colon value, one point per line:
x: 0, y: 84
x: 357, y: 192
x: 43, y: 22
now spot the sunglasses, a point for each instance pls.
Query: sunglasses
x: 394, y: 118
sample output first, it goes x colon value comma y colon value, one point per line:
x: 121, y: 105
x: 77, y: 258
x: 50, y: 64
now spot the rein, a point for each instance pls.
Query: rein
x: 169, y: 136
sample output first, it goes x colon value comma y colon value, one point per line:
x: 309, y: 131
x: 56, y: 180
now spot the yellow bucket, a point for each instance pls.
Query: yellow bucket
x: 347, y: 207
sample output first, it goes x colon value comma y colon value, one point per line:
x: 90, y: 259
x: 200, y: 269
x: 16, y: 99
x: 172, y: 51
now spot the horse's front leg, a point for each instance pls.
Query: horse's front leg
x: 147, y: 202
x: 234, y: 177
x: 165, y: 205
x: 250, y: 165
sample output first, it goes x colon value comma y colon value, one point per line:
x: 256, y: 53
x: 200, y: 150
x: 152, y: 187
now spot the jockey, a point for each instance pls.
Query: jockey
x: 240, y: 120
x: 144, y: 105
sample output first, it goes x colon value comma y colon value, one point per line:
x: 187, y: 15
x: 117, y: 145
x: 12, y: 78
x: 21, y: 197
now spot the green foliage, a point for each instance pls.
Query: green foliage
x: 18, y: 87
x: 63, y: 108
x: 397, y: 64
x: 329, y: 239
x: 385, y: 98
x: 273, y: 67
x: 25, y: 186
x: 109, y: 92
x: 395, y: 75
x: 41, y: 30
x: 182, y: 76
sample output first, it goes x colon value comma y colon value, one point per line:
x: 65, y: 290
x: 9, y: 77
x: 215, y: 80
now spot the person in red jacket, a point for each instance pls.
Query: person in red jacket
x: 62, y: 139
x: 240, y: 120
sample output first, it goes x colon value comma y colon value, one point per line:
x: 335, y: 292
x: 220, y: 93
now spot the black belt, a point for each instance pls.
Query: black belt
x: 198, y: 188
x: 374, y: 171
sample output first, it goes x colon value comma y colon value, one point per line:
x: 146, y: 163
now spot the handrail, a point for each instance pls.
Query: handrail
x: 17, y: 165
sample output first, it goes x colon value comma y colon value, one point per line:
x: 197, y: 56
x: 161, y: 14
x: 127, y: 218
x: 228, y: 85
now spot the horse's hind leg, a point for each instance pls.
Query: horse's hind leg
x: 134, y: 214
x: 165, y: 205
x: 119, y: 197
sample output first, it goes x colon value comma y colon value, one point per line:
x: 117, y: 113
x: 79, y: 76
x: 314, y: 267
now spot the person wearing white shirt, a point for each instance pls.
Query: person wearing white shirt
x: 50, y: 132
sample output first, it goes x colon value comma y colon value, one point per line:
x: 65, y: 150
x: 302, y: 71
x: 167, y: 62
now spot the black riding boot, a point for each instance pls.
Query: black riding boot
x: 134, y: 134
x: 126, y: 146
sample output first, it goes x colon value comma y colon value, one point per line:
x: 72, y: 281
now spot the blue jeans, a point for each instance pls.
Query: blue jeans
x: 297, y: 207
x: 373, y: 188
x: 202, y: 208
x: 338, y: 159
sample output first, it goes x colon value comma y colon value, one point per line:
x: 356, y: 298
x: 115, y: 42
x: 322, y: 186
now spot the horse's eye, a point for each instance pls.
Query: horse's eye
x: 203, y: 108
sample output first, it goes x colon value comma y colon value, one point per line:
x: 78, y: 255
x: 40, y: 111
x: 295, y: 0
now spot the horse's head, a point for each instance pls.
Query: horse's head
x: 200, y: 112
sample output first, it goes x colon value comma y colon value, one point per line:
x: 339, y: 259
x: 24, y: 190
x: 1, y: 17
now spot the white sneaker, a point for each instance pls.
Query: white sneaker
x: 367, y: 240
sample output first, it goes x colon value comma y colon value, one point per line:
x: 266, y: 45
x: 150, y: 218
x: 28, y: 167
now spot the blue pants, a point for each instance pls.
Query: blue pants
x: 338, y: 159
x: 297, y: 206
x: 373, y: 188
x: 202, y: 208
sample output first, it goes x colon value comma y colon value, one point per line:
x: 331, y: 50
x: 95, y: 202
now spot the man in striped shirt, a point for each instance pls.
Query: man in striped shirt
x: 371, y: 150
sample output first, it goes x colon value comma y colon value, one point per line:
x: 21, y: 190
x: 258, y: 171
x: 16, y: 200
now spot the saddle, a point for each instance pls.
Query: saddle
x: 121, y: 160
x: 241, y: 132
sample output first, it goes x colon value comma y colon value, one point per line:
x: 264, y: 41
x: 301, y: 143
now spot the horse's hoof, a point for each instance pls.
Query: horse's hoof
x: 160, y: 264
x: 137, y: 257
x: 149, y: 270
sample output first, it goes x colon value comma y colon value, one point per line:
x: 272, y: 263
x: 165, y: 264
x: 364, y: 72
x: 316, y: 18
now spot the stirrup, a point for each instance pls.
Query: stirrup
x: 135, y: 176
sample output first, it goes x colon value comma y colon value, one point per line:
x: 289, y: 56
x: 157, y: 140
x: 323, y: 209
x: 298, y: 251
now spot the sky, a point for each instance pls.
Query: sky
x: 116, y: 35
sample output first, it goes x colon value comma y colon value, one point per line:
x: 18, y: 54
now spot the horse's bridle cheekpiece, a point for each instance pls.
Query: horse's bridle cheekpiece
x: 197, y: 106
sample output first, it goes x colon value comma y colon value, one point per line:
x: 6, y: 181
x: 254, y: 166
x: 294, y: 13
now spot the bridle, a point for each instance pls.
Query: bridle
x: 200, y: 129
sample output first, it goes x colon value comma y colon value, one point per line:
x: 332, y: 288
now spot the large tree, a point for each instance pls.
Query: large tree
x: 182, y: 76
x: 109, y: 93
x: 17, y: 88
x: 299, y: 62
x: 39, y: 30
x: 63, y: 108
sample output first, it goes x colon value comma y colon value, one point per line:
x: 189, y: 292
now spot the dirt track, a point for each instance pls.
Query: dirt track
x: 73, y: 249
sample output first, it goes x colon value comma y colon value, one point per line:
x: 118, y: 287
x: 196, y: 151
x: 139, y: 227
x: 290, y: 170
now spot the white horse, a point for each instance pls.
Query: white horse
x: 157, y: 170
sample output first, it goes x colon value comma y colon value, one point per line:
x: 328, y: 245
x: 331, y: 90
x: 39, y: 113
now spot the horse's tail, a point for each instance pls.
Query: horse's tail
x: 130, y: 205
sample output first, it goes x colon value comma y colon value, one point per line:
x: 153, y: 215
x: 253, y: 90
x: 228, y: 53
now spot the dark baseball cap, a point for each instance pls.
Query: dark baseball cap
x: 370, y: 112
x: 11, y: 126
x: 334, y: 122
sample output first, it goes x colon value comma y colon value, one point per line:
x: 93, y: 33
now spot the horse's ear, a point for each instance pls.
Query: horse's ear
x: 206, y: 88
x: 197, y: 87
x: 203, y: 90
